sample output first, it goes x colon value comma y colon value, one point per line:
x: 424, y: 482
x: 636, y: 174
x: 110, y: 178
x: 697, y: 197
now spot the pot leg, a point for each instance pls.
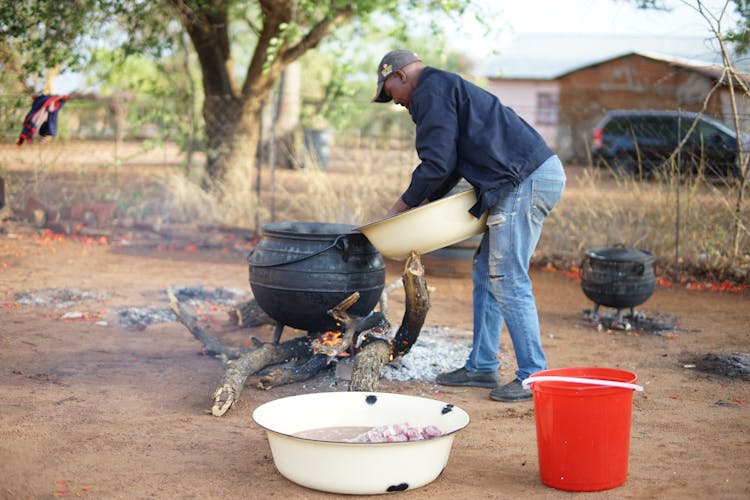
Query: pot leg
x: 619, y: 322
x: 277, y: 332
x: 594, y: 314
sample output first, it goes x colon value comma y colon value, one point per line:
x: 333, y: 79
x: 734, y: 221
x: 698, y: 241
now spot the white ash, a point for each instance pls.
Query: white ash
x: 57, y: 297
x: 131, y: 317
x: 436, y: 350
x: 197, y: 294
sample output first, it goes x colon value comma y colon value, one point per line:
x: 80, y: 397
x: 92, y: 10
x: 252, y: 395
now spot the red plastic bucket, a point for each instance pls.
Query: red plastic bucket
x: 582, y: 427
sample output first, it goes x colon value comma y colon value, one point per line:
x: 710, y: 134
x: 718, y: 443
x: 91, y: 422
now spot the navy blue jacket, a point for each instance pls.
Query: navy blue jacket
x: 464, y: 131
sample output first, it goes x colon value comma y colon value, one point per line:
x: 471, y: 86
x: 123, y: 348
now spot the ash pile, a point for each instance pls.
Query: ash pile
x: 631, y: 321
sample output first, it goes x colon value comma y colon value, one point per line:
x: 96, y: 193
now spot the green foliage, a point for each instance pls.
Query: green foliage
x: 51, y: 33
x: 231, y: 39
x: 155, y: 93
x: 28, y: 27
x: 740, y: 36
x: 339, y: 85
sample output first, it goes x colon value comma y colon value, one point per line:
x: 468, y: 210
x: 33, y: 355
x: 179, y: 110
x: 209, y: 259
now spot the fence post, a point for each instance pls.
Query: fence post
x: 259, y: 163
x: 677, y: 201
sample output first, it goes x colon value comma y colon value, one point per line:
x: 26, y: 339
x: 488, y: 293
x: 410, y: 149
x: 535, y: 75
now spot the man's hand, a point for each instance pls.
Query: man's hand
x: 398, y: 207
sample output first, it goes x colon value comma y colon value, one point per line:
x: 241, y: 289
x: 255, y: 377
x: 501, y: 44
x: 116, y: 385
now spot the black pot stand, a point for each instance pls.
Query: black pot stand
x: 619, y: 321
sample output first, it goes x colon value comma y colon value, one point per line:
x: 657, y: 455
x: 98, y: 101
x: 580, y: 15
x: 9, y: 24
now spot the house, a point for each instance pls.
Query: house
x: 639, y: 81
x: 536, y: 100
x: 564, y: 106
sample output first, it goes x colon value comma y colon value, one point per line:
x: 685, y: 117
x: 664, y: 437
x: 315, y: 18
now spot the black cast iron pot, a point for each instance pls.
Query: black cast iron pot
x: 300, y: 270
x: 617, y: 276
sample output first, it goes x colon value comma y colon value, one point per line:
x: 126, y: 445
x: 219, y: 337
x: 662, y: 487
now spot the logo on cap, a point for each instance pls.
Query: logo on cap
x: 393, y: 61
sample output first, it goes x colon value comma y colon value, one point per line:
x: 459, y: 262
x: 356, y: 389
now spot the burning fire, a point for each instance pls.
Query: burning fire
x: 327, y: 342
x: 330, y: 339
x: 336, y: 343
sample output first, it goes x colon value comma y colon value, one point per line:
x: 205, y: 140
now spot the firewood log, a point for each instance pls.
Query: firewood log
x: 211, y: 345
x: 368, y: 365
x: 417, y: 305
x: 241, y: 362
x: 369, y: 362
x: 309, y: 369
x: 237, y: 372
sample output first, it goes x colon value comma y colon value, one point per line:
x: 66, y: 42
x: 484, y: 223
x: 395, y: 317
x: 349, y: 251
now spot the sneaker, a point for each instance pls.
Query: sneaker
x: 511, y: 392
x: 466, y: 378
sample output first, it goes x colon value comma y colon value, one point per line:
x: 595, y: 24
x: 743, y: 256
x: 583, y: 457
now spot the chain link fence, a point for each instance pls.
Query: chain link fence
x: 640, y: 138
x: 355, y: 175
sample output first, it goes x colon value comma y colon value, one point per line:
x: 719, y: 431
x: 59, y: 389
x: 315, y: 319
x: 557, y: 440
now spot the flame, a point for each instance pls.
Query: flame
x: 330, y: 339
x: 328, y: 343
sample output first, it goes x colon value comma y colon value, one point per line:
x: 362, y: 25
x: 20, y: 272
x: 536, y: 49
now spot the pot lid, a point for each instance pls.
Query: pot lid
x: 620, y: 254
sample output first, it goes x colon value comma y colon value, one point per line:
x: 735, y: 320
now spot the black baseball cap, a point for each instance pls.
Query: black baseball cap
x: 392, y: 61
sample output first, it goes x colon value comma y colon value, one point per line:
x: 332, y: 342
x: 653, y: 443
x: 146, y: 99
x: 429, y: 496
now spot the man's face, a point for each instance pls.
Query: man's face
x: 398, y: 87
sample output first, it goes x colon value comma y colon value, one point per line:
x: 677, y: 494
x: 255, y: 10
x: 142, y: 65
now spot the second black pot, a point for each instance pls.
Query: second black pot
x: 617, y: 276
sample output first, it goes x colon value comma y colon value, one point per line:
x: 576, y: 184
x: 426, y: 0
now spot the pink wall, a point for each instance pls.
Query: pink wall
x: 523, y: 96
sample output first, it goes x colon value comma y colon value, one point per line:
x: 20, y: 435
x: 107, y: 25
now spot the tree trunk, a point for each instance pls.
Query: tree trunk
x: 228, y: 104
x: 231, y: 138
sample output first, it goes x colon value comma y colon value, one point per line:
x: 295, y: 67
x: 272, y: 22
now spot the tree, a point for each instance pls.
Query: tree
x: 740, y: 43
x: 279, y: 32
x: 738, y: 36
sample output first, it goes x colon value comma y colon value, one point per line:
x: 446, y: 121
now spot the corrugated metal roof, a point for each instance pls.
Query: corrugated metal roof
x: 706, y: 68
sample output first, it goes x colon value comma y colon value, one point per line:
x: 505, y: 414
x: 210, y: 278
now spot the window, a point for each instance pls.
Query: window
x: 621, y: 126
x: 664, y: 128
x: 546, y: 109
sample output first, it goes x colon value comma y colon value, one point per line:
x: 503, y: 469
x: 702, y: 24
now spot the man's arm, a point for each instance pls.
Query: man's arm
x: 436, y: 140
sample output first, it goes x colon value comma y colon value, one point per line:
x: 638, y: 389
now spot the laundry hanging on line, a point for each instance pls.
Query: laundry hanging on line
x: 42, y: 118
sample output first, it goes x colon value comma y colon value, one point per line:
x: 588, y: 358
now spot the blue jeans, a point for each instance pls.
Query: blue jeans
x: 500, y: 272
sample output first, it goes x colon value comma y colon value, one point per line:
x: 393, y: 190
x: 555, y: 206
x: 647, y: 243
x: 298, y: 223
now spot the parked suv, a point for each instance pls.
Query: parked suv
x: 639, y: 141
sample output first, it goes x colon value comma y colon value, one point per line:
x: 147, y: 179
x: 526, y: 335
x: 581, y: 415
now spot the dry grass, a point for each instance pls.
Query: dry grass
x: 354, y: 189
x: 600, y: 210
x: 359, y: 186
x: 597, y: 209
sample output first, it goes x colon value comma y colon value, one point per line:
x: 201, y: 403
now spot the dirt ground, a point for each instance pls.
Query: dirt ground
x: 90, y: 408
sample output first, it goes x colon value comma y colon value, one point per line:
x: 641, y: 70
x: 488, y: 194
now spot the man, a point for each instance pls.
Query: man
x: 464, y: 131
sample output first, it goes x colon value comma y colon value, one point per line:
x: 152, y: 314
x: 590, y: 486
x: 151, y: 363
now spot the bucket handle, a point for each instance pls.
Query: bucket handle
x: 580, y: 380
x: 340, y: 241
